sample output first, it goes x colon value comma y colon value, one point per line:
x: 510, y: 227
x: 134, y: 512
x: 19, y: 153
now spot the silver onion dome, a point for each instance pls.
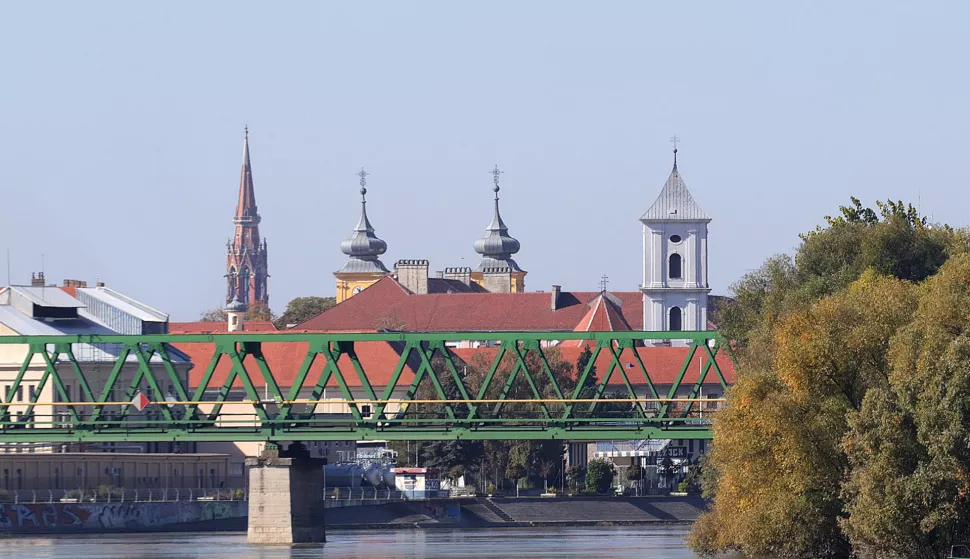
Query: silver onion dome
x: 235, y: 306
x: 363, y: 247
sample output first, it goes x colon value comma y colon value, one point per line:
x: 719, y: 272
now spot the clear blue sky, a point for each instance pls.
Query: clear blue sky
x: 121, y: 131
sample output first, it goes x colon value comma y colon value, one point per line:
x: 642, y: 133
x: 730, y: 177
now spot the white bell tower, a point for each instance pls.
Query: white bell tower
x: 675, y: 260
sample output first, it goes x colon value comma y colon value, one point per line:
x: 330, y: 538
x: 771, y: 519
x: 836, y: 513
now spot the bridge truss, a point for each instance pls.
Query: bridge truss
x: 518, y: 388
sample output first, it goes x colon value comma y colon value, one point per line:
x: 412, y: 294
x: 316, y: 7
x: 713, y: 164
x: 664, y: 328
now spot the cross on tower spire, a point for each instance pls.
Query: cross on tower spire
x: 495, y: 178
x: 675, y: 140
x: 603, y: 282
x: 363, y: 181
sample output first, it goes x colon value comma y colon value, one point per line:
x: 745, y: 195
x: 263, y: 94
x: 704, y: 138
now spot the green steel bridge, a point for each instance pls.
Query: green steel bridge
x: 139, y: 388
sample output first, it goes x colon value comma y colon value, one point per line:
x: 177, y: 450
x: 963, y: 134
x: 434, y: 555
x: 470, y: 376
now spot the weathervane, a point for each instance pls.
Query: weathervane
x: 246, y: 130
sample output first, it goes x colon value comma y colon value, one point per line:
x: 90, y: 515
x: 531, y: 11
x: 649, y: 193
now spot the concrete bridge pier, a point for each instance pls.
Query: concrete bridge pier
x: 286, y: 504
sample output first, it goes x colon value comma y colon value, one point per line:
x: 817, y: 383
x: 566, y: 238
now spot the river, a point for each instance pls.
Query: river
x: 645, y: 542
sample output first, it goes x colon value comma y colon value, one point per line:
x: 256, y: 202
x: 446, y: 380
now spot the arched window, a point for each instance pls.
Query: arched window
x: 674, y: 267
x: 675, y: 323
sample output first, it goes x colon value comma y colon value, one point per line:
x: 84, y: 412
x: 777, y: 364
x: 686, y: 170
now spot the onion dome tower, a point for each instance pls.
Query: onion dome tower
x: 362, y: 268
x: 497, y: 248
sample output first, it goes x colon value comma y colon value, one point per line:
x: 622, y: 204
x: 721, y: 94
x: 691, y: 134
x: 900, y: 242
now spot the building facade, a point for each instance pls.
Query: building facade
x: 247, y: 271
x: 75, y: 309
x: 675, y: 288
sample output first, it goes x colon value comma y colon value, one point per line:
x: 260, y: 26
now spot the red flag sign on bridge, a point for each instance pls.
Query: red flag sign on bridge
x: 140, y: 401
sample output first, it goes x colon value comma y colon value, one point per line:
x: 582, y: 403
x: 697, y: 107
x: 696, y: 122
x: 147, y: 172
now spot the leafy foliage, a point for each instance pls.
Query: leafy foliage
x: 302, y: 309
x: 599, y: 475
x: 839, y: 369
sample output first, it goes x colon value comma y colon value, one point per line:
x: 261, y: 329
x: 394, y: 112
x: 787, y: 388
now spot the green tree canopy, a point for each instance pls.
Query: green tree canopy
x: 302, y: 309
x: 818, y: 422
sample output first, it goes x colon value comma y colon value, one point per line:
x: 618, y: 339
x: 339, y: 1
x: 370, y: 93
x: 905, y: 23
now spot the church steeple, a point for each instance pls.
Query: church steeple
x: 497, y: 247
x: 363, y: 267
x: 246, y: 207
x: 246, y: 262
x: 675, y: 286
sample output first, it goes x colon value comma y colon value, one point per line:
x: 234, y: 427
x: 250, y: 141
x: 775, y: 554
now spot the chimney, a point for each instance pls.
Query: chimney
x: 100, y: 284
x: 74, y: 283
x: 463, y: 275
x: 37, y: 280
x: 413, y: 274
x: 439, y: 274
x: 555, y: 296
x: 497, y: 280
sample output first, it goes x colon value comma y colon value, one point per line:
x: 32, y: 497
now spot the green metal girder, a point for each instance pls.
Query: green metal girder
x: 273, y: 417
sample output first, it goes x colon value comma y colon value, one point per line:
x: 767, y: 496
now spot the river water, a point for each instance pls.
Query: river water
x: 646, y: 542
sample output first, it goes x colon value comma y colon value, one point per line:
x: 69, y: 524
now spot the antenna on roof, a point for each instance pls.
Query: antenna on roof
x: 8, y: 266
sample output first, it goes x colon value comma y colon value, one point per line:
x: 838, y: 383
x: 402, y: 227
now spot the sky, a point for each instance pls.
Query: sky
x: 121, y: 127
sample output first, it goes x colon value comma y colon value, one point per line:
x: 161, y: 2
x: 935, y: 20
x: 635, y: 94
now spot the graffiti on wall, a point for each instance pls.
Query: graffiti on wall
x: 81, y: 516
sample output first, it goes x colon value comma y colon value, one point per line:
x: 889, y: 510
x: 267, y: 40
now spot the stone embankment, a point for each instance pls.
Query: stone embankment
x: 466, y: 513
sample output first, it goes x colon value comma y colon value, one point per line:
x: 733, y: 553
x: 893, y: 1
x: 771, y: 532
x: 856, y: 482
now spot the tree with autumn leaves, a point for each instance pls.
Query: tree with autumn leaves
x: 848, y: 430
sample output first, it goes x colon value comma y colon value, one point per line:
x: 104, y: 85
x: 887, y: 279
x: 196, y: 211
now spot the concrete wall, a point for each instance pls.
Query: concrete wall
x: 98, y: 517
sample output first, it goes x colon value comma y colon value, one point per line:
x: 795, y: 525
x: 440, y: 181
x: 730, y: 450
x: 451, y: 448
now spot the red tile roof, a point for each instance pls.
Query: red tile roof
x: 379, y: 360
x: 388, y: 305
x: 603, y: 316
x: 215, y: 327
x: 663, y: 363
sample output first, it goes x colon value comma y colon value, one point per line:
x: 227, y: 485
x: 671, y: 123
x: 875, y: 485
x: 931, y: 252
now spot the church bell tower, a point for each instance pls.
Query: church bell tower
x: 246, y: 264
x: 675, y: 284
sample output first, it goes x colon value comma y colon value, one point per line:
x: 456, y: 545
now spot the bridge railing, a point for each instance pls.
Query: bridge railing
x: 120, y: 495
x: 389, y: 386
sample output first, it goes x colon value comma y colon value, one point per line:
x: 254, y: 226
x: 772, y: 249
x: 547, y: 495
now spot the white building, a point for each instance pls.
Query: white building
x: 674, y: 284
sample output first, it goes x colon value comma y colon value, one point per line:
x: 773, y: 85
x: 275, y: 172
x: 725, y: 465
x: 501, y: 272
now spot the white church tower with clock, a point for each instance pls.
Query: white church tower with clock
x: 674, y: 284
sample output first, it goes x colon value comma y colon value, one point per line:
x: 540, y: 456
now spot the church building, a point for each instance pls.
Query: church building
x: 674, y: 284
x: 496, y: 272
x: 246, y: 265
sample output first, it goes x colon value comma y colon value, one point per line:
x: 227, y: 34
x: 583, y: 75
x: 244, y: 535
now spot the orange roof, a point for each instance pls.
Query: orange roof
x: 603, y: 316
x: 214, y: 327
x: 388, y: 305
x: 663, y: 363
x: 380, y: 359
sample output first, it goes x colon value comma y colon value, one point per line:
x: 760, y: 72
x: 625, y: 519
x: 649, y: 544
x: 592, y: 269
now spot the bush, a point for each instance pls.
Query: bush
x: 490, y: 489
x: 683, y: 487
x: 106, y: 491
x: 599, y: 476
x: 575, y: 475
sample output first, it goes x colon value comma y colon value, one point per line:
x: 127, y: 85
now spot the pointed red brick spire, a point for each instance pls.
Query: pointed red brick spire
x: 247, y: 194
x: 246, y: 263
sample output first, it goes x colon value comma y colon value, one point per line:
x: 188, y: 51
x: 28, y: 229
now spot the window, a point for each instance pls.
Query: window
x: 20, y: 393
x: 31, y: 392
x: 675, y: 239
x: 675, y: 322
x: 674, y: 268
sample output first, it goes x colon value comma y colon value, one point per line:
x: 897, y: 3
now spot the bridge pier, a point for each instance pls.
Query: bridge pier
x: 286, y: 497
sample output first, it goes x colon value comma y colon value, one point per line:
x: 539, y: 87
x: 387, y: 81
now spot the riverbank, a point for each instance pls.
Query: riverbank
x: 471, y: 513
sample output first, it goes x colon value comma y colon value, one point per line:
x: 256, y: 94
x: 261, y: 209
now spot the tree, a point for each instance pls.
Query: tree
x: 634, y: 473
x: 813, y: 337
x: 546, y: 468
x: 213, y: 315
x: 259, y: 311
x: 909, y: 489
x: 302, y: 309
x: 256, y: 311
x: 599, y: 475
x: 575, y: 474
